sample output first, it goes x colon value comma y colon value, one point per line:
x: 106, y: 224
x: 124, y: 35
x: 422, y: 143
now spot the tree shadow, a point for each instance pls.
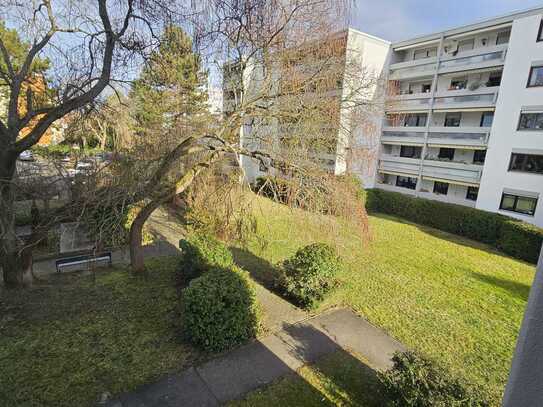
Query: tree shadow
x: 260, y: 269
x: 514, y: 288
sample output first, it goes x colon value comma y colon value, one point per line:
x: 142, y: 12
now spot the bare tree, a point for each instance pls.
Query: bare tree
x: 89, y: 46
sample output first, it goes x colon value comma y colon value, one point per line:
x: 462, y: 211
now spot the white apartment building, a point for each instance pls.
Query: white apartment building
x: 464, y: 117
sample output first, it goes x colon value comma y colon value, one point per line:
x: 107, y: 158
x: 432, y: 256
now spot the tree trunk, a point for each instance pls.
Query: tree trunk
x: 136, y: 229
x: 15, y: 261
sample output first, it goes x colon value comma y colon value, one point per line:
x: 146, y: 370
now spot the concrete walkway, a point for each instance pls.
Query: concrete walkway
x: 247, y: 368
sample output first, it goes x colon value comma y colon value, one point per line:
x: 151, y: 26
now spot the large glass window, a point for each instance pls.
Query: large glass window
x: 406, y: 182
x: 410, y: 151
x: 486, y: 119
x: 526, y: 163
x: 531, y: 121
x: 520, y: 204
x: 441, y: 188
x: 453, y: 119
x: 446, y: 153
x: 536, y: 77
x: 472, y: 193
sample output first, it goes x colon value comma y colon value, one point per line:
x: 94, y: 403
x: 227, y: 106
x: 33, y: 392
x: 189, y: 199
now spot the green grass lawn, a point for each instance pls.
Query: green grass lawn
x: 69, y: 340
x: 339, y: 379
x: 455, y: 300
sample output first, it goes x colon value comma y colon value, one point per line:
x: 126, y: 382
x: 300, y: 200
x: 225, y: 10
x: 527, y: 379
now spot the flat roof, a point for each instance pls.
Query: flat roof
x: 485, y: 23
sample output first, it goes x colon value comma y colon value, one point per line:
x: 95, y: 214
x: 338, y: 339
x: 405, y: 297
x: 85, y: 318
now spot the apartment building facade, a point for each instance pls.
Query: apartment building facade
x: 464, y: 117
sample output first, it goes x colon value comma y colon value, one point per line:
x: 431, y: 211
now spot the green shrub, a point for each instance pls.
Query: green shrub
x: 309, y: 274
x: 220, y: 309
x: 513, y: 237
x: 200, y: 253
x: 414, y: 381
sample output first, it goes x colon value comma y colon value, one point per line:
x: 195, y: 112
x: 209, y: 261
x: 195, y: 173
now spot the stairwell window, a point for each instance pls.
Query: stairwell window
x: 536, y: 76
x: 519, y: 204
x: 531, y: 121
x: 531, y: 163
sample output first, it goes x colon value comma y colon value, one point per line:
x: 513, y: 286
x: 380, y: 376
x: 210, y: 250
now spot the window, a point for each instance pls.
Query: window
x: 441, y: 188
x: 486, y: 119
x: 426, y: 87
x: 479, y: 156
x: 472, y: 193
x: 410, y: 151
x: 466, y: 45
x: 503, y: 37
x: 425, y: 53
x: 532, y: 163
x: 520, y: 204
x: 453, y: 119
x: 536, y: 77
x: 406, y: 182
x: 531, y: 121
x: 446, y: 153
x: 415, y: 120
x: 459, y: 84
x: 495, y: 79
x: 540, y: 33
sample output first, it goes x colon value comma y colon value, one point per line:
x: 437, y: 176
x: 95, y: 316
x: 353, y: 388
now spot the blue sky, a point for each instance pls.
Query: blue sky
x: 396, y: 20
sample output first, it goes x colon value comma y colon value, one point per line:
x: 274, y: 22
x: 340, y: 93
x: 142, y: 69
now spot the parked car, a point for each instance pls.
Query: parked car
x: 26, y: 156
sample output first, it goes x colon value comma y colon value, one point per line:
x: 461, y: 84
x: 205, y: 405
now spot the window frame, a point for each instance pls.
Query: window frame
x: 416, y: 151
x: 527, y: 128
x: 483, y: 115
x: 448, y: 149
x: 448, y: 114
x: 516, y: 197
x: 503, y: 32
x: 540, y: 32
x: 438, y: 185
x: 532, y: 69
x: 476, y: 153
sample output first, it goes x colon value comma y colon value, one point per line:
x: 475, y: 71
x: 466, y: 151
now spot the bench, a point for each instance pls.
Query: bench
x: 82, y: 259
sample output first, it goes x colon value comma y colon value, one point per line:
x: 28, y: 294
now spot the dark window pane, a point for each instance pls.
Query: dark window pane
x: 503, y: 37
x: 410, y: 151
x: 472, y: 193
x: 532, y: 163
x: 495, y: 79
x: 486, y: 119
x: 406, y: 182
x: 540, y: 33
x: 441, y: 188
x: 508, y: 202
x: 536, y: 76
x: 446, y: 153
x: 519, y: 204
x: 531, y: 121
x: 459, y: 84
x: 453, y: 119
x: 479, y: 156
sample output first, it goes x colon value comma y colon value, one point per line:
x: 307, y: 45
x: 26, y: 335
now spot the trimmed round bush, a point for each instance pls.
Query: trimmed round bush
x: 200, y: 253
x: 415, y: 381
x: 310, y: 274
x: 220, y: 309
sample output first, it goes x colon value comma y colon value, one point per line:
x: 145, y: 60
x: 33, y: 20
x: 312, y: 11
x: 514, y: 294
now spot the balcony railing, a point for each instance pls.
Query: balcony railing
x: 403, y: 135
x: 485, y: 97
x: 458, y: 137
x: 479, y: 56
x: 454, y: 172
x: 399, y: 165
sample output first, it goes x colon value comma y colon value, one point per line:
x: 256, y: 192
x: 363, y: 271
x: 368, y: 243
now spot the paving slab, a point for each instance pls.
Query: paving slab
x: 277, y: 311
x: 353, y: 332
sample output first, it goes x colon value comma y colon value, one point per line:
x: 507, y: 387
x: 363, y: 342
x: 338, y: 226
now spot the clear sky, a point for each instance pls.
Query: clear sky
x: 396, y: 20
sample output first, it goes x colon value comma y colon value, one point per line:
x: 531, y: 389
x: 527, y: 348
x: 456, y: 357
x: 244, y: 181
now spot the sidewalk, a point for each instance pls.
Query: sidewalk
x: 236, y: 373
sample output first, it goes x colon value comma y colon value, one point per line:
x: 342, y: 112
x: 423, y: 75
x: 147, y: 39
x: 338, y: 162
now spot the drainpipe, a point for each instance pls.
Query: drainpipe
x: 525, y: 385
x: 430, y: 115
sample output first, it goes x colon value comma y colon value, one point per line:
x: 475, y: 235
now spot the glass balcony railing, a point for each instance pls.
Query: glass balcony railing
x: 483, y: 99
x: 471, y: 60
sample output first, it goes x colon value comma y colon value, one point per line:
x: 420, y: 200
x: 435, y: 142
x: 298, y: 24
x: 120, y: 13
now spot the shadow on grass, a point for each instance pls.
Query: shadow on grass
x: 260, y: 269
x: 515, y: 289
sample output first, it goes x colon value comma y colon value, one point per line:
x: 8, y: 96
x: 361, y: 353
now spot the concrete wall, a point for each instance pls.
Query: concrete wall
x: 523, y: 51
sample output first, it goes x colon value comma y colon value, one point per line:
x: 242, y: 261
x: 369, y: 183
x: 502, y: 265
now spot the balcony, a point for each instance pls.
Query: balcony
x: 478, y: 58
x: 446, y: 199
x: 403, y: 135
x: 411, y: 103
x: 413, y: 69
x: 467, y: 99
x: 390, y: 164
x: 394, y: 188
x: 470, y: 138
x: 452, y: 172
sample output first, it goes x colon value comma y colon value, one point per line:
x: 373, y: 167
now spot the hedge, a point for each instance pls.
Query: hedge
x: 415, y: 381
x: 513, y: 237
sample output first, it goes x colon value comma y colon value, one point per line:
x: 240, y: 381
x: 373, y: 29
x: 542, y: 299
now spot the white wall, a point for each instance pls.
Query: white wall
x: 514, y: 94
